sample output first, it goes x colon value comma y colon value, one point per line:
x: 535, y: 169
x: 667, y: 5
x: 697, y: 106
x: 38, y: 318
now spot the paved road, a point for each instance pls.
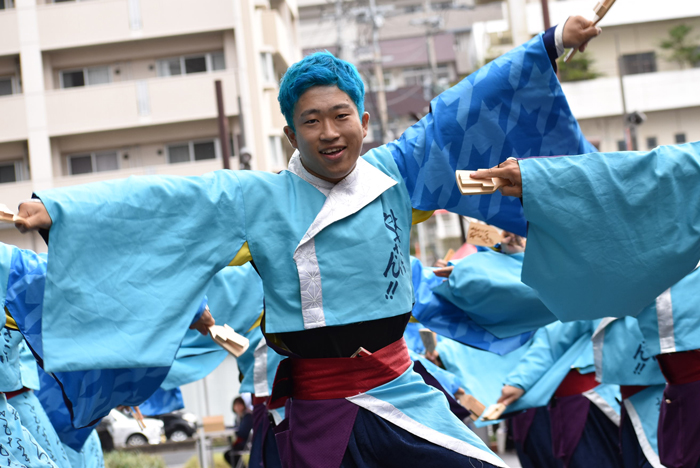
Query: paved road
x: 178, y: 458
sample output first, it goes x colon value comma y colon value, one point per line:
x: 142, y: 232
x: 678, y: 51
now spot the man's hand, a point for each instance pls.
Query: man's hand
x: 443, y: 272
x: 205, y: 321
x: 578, y: 31
x: 509, y: 170
x: 34, y: 217
x: 510, y: 394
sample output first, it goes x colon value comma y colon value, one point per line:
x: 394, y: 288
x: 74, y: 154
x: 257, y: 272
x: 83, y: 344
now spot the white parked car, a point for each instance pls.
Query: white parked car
x: 125, y: 431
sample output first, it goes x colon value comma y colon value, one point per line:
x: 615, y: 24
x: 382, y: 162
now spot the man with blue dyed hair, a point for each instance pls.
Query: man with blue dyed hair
x: 330, y: 239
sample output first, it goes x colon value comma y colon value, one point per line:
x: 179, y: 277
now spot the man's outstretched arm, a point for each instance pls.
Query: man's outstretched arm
x: 514, y: 106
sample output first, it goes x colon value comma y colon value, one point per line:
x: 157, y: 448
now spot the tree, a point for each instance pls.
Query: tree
x: 579, y: 68
x: 681, y: 47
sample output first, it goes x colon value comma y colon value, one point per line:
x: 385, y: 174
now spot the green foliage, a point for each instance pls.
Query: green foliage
x: 118, y: 459
x: 579, y: 68
x: 681, y: 48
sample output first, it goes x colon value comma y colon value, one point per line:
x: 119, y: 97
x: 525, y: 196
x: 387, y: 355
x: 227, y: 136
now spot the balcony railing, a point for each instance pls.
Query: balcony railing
x: 647, y: 92
x: 132, y: 104
x: 13, y: 118
x: 98, y: 22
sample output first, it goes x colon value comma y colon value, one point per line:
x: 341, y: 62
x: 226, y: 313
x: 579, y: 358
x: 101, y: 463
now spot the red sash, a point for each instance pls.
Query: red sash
x: 9, y: 395
x: 628, y: 391
x: 332, y: 378
x: 680, y: 368
x: 576, y: 383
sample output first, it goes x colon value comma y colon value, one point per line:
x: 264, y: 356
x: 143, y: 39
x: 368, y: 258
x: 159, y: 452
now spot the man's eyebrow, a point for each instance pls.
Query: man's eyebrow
x: 343, y: 105
x: 308, y: 112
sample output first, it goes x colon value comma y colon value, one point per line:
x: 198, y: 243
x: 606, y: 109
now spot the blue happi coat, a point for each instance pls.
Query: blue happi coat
x: 622, y: 358
x: 481, y: 373
x: 555, y: 350
x: 90, y: 394
x: 324, y: 260
x: 609, y: 232
x: 235, y: 297
x: 486, y: 285
x: 162, y: 402
x: 448, y: 320
x: 671, y: 323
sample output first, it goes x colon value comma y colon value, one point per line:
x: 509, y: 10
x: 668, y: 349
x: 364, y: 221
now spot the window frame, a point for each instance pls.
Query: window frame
x: 20, y: 172
x: 181, y: 58
x: 276, y: 151
x: 93, y: 161
x: 267, y: 65
x: 13, y: 82
x: 85, y: 76
x: 190, y: 145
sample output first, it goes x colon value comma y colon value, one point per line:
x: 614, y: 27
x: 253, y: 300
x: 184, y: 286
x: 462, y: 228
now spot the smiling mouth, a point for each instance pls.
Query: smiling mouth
x: 333, y: 151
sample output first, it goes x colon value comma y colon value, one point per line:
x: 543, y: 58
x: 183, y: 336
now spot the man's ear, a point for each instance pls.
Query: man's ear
x: 365, y: 124
x: 291, y: 136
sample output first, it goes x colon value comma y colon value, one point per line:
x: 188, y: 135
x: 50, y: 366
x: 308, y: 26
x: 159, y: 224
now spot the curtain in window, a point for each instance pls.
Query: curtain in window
x: 81, y: 164
x: 204, y: 150
x: 5, y: 85
x: 106, y: 162
x: 98, y: 75
x: 178, y: 153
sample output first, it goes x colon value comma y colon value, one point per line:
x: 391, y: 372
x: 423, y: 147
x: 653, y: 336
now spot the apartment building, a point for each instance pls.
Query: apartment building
x: 345, y: 29
x: 100, y: 89
x: 664, y: 90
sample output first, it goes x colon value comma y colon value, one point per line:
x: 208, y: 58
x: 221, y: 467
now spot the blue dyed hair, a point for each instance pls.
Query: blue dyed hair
x: 319, y: 69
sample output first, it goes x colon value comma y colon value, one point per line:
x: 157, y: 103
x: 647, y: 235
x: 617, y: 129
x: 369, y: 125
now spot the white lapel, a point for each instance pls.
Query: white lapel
x: 361, y: 187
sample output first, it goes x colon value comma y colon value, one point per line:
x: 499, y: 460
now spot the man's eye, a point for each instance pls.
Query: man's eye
x: 311, y: 121
x: 342, y: 116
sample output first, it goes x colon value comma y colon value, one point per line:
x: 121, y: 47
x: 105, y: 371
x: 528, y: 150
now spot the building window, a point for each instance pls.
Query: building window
x: 276, y: 152
x: 268, y: 68
x: 652, y: 143
x: 11, y: 171
x: 5, y: 4
x: 7, y: 85
x: 93, y: 162
x: 193, y: 151
x: 639, y: 63
x: 621, y: 145
x: 187, y: 64
x: 417, y: 76
x: 85, y: 77
x: 680, y: 138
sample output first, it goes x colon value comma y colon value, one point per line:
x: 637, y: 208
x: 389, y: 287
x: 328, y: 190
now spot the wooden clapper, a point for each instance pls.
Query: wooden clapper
x: 7, y: 216
x: 228, y: 339
x: 469, y: 186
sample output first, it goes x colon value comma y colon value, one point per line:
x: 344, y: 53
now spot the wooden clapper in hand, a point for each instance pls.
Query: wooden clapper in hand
x: 469, y: 186
x: 7, y: 216
x: 228, y: 339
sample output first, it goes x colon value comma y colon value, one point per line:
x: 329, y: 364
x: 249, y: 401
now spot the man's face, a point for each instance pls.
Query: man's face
x: 329, y: 132
x: 238, y: 408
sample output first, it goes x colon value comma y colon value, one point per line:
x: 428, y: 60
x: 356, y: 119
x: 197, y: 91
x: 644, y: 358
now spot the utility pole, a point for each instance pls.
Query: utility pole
x: 545, y: 15
x: 223, y: 125
x: 377, y: 22
x: 431, y: 24
x: 339, y: 29
x: 629, y: 128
